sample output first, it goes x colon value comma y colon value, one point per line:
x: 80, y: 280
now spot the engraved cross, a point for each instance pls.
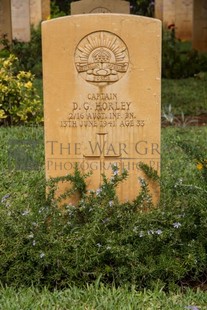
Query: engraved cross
x: 103, y: 155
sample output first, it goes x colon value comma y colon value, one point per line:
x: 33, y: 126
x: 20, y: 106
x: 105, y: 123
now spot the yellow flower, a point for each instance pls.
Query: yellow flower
x: 28, y: 85
x: 24, y: 75
x: 6, y: 63
x: 199, y: 166
x: 9, y: 61
x: 2, y: 114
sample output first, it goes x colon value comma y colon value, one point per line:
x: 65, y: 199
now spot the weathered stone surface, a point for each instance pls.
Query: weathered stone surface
x: 200, y: 25
x: 102, y: 96
x: 35, y: 12
x: 100, y: 6
x: 5, y: 19
x: 20, y: 20
x: 159, y: 9
x: 177, y: 13
x: 168, y: 12
x: 45, y: 9
x: 184, y: 19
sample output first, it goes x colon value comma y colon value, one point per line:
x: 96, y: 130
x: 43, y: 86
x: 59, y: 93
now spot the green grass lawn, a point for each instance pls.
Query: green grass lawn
x: 100, y: 297
x: 186, y: 95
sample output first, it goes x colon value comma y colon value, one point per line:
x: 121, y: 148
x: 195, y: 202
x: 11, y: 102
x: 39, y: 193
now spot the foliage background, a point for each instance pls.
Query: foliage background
x: 19, y: 101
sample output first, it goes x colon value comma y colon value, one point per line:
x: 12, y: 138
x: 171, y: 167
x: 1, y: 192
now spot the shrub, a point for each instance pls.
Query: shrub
x: 129, y: 243
x: 28, y: 53
x: 19, y: 102
x: 58, y: 9
x: 142, y: 7
x: 179, y: 60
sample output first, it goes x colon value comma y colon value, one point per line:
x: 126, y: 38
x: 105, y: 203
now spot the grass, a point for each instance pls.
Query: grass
x: 186, y: 95
x: 14, y: 180
x: 100, y: 297
x: 176, y: 163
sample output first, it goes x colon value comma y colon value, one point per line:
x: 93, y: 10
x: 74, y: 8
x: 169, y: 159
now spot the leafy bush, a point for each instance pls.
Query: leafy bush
x: 179, y: 62
x: 28, y: 53
x: 19, y: 102
x: 142, y: 7
x: 58, y: 9
x: 129, y: 243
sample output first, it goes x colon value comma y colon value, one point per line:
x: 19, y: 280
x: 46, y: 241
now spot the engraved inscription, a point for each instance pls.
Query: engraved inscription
x: 101, y: 58
x: 103, y: 155
x: 102, y: 110
x: 100, y: 10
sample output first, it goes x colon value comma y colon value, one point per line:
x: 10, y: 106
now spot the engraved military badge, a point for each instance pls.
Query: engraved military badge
x: 101, y: 58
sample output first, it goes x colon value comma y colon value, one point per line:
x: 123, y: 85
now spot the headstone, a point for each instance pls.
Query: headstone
x: 159, y: 9
x: 184, y: 19
x: 35, y: 12
x: 168, y: 12
x: 177, y: 13
x: 102, y: 97
x: 5, y: 19
x: 200, y: 25
x: 45, y: 9
x: 21, y: 20
x: 100, y: 6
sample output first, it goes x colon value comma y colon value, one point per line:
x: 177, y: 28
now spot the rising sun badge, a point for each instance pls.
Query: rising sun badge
x: 101, y: 58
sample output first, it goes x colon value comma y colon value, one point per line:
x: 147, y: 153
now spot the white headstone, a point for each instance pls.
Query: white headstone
x: 200, y: 25
x: 45, y: 9
x: 100, y: 6
x: 35, y: 12
x: 5, y: 19
x: 159, y: 9
x: 184, y: 19
x: 168, y: 12
x: 21, y: 20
